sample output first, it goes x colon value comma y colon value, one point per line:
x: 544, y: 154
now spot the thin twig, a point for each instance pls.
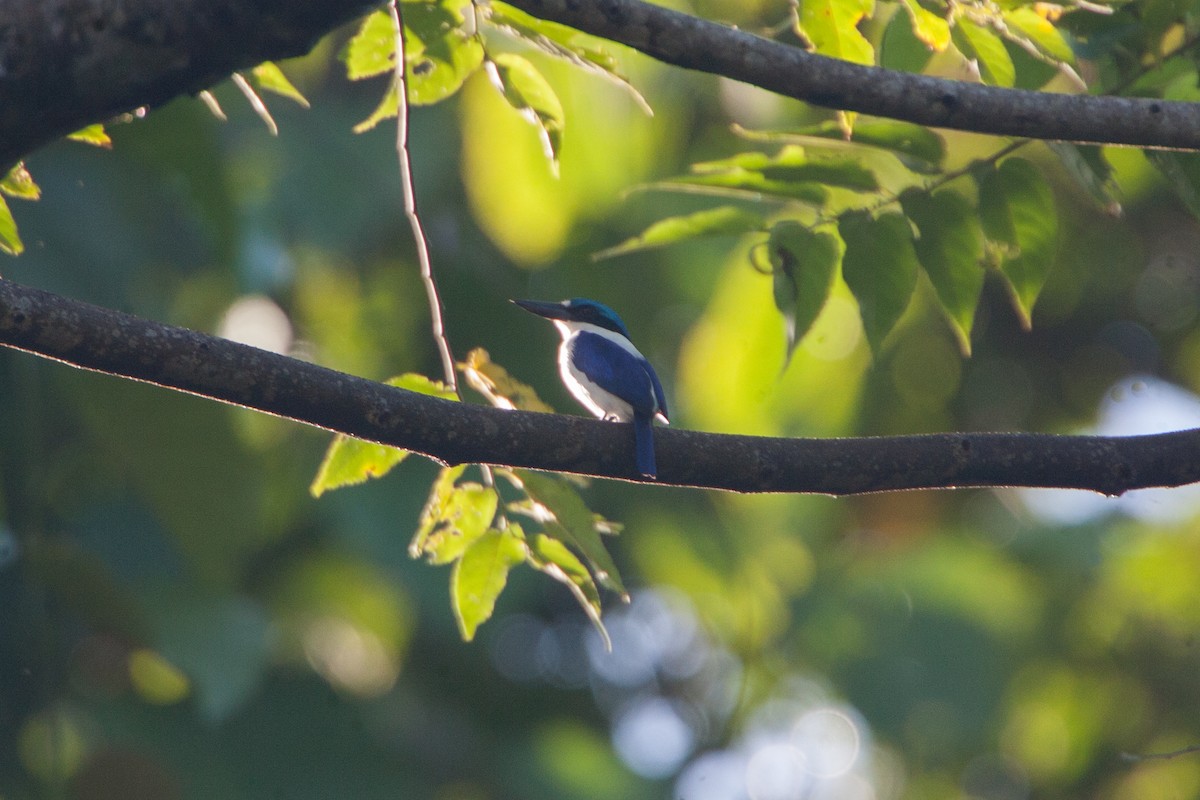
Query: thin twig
x: 410, y: 208
x: 1135, y: 758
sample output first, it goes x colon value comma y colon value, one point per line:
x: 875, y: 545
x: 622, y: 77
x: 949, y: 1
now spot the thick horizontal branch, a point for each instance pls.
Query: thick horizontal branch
x: 693, y: 43
x: 121, y: 345
x: 65, y: 64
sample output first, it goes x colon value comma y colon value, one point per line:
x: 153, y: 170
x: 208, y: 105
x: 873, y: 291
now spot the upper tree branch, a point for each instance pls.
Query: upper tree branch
x: 118, y: 344
x: 65, y: 64
x: 698, y: 44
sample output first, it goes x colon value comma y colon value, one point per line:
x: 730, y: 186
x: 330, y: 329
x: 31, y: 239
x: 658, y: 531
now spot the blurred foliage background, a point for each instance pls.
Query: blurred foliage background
x: 179, y: 618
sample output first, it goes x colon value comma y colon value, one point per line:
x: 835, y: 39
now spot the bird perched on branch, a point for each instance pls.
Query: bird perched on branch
x: 604, y: 371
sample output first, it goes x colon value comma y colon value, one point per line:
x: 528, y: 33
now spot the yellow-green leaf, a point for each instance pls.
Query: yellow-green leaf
x: 19, y: 183
x: 987, y: 51
x: 572, y: 522
x: 93, y: 135
x: 933, y: 31
x: 454, y: 516
x: 350, y: 461
x: 10, y: 242
x: 1039, y: 30
x: 481, y: 575
x: 269, y: 76
x: 554, y: 558
x: 720, y: 221
x: 532, y: 96
x: 832, y: 28
x: 372, y: 50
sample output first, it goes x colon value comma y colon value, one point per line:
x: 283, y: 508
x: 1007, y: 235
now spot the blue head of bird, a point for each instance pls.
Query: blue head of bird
x: 570, y: 315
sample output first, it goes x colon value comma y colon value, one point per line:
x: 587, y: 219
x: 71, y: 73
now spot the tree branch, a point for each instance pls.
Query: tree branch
x: 693, y: 43
x: 65, y: 64
x: 121, y: 345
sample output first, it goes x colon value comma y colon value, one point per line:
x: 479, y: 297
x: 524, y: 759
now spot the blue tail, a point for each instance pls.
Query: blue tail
x: 643, y: 432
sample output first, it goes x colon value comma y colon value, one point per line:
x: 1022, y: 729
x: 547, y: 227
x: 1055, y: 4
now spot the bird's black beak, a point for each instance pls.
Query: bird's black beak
x: 548, y: 310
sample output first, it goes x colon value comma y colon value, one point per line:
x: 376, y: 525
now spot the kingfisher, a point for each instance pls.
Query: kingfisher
x: 604, y: 371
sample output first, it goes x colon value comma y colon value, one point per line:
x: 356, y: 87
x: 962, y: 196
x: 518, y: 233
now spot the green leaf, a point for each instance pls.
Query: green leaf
x: 803, y: 265
x: 720, y: 221
x: 481, y: 574
x: 900, y: 49
x: 1182, y: 171
x: 987, y: 50
x: 563, y: 43
x: 950, y: 248
x: 1017, y: 209
x: 933, y: 31
x: 10, y: 241
x: 19, y: 183
x: 744, y: 185
x: 832, y: 28
x: 440, y: 55
x: 532, y: 96
x: 573, y: 523
x: 1091, y: 171
x: 918, y: 147
x: 388, y: 107
x: 880, y: 267
x: 792, y: 164
x: 554, y: 558
x: 454, y: 516
x: 350, y: 461
x: 372, y: 50
x: 269, y: 76
x: 1041, y: 32
x: 93, y: 135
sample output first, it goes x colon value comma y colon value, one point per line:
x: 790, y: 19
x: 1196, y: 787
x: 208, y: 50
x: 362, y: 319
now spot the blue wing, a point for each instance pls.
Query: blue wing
x: 618, y: 371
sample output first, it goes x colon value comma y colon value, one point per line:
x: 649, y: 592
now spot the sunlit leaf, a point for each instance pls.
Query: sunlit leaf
x: 933, y: 31
x: 440, y: 55
x: 93, y: 135
x: 918, y: 147
x: 481, y: 574
x: 388, y: 107
x: 880, y: 267
x: 561, y: 42
x: 19, y: 183
x: 792, y: 164
x: 803, y: 264
x: 269, y: 76
x: 10, y: 241
x: 900, y: 49
x: 744, y: 185
x: 532, y: 96
x: 350, y: 461
x: 720, y: 221
x: 454, y: 516
x: 1017, y: 208
x: 987, y: 50
x: 372, y: 50
x: 1089, y: 169
x: 554, y: 558
x: 949, y: 248
x: 1039, y: 30
x: 832, y: 28
x: 499, y: 387
x: 574, y: 524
